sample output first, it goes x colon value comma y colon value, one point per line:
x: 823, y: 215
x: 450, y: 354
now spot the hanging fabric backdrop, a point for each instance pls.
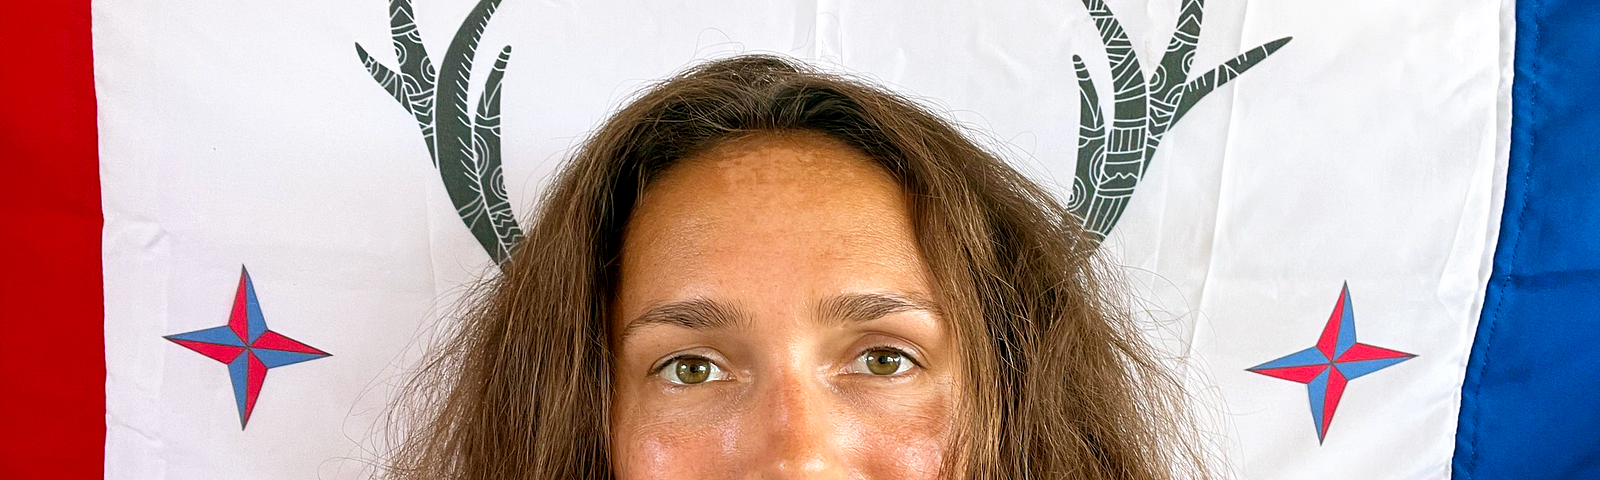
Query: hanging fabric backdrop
x: 1306, y: 197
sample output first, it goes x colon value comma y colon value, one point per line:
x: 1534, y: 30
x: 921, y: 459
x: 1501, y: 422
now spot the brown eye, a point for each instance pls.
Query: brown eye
x: 691, y: 370
x: 884, y: 362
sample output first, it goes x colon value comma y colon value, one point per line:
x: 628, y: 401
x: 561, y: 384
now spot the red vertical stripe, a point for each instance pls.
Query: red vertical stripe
x: 1330, y: 398
x: 52, y: 355
x: 1330, y: 333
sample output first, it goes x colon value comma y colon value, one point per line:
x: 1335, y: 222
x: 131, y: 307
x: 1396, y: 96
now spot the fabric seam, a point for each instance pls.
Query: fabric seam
x: 1516, y: 244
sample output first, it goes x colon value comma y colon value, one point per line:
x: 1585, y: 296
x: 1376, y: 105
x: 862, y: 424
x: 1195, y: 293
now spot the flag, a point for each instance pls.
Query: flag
x: 1364, y: 232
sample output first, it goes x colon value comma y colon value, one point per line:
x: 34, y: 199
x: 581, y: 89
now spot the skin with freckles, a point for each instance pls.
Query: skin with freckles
x: 775, y: 319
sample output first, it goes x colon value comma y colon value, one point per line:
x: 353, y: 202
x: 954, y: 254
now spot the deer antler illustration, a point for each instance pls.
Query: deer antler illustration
x: 1111, y: 162
x: 464, y: 147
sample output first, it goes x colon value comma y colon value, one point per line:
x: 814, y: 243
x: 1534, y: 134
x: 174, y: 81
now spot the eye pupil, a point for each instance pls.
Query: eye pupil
x: 883, y: 362
x: 693, y: 370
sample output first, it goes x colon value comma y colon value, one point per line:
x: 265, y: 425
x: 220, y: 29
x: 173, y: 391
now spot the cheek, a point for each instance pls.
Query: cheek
x: 673, y: 447
x: 890, y: 438
x: 906, y: 442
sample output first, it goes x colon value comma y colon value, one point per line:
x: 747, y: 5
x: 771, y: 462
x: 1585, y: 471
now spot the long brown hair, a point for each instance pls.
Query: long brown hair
x: 1059, y: 383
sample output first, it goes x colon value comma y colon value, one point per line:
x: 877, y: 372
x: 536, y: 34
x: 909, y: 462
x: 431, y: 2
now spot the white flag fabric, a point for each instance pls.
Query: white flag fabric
x: 278, y: 242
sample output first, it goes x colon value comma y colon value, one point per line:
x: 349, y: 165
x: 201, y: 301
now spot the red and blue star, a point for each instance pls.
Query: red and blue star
x: 1337, y: 358
x: 247, y: 347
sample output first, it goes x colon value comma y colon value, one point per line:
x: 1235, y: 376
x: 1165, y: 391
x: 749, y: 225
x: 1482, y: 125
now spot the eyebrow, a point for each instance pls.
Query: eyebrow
x: 694, y: 313
x: 707, y: 314
x: 862, y: 307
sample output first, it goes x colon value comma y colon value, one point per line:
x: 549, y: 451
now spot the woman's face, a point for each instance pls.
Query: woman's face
x: 774, y: 319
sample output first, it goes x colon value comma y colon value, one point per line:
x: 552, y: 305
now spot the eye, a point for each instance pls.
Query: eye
x: 690, y: 370
x: 882, y: 361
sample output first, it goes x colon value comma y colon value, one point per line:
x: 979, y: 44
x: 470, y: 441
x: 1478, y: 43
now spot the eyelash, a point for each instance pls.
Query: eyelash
x: 656, y: 370
x: 897, y: 351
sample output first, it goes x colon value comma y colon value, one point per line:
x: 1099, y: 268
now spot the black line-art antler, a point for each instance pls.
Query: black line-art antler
x: 1111, y: 162
x: 464, y: 147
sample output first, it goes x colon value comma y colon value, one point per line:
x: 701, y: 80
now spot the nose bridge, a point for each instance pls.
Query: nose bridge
x: 798, y: 433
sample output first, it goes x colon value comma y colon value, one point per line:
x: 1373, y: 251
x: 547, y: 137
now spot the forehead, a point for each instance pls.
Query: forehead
x: 771, y: 170
x: 773, y: 217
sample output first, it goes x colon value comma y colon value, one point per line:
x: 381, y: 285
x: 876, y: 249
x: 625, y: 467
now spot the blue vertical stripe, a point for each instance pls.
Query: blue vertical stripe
x: 1530, y: 405
x: 239, y: 374
x: 1318, y: 389
x: 254, y: 323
